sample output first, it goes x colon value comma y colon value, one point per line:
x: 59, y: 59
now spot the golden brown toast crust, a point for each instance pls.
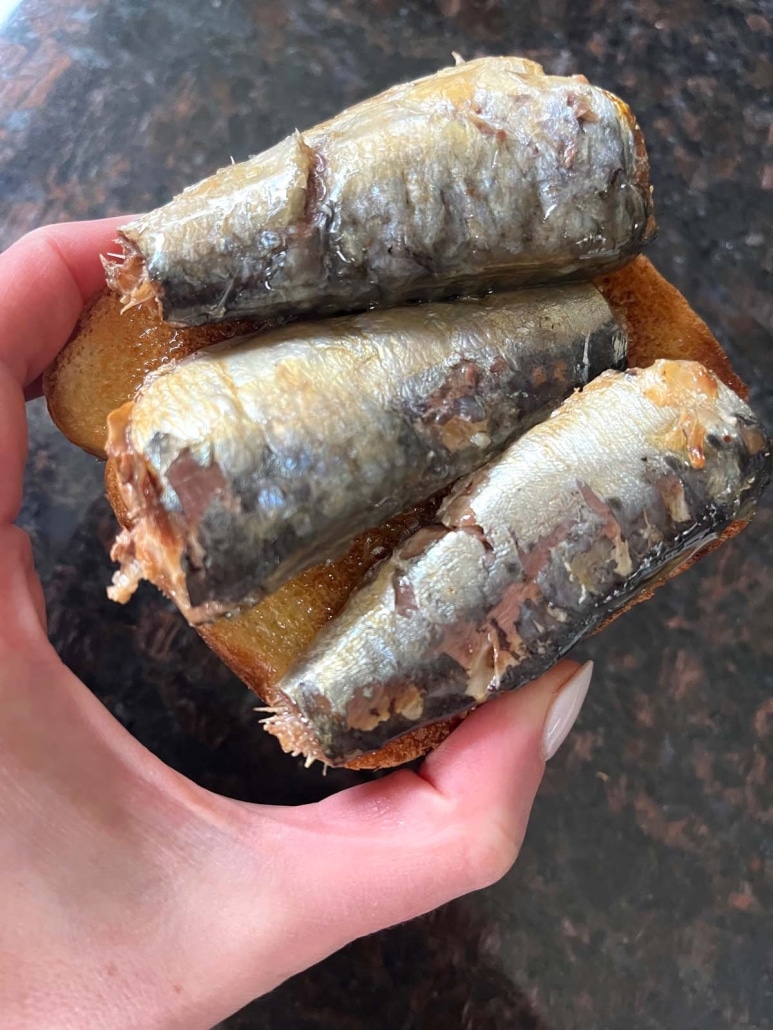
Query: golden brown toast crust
x: 106, y: 360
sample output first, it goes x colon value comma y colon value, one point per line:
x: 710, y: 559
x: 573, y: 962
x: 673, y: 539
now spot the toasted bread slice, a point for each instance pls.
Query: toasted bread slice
x: 109, y: 355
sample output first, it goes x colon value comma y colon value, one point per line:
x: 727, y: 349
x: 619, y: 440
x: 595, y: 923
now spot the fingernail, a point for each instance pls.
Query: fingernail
x: 563, y: 713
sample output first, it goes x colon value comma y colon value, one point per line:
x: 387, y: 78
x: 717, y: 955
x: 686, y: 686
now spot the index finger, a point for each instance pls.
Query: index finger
x: 45, y: 279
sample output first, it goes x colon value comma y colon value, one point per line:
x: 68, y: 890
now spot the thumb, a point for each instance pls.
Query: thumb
x: 391, y: 849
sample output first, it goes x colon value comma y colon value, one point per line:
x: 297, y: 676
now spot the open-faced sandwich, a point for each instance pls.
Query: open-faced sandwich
x: 395, y: 412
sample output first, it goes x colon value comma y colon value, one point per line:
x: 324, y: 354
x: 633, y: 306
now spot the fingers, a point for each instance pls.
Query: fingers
x: 45, y: 278
x: 391, y: 849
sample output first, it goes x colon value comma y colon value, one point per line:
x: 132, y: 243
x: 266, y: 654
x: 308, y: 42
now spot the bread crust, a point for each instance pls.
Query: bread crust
x: 105, y: 362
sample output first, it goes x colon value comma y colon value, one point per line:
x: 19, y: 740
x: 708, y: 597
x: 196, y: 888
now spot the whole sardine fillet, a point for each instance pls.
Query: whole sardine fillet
x: 248, y: 462
x: 487, y: 175
x: 635, y: 473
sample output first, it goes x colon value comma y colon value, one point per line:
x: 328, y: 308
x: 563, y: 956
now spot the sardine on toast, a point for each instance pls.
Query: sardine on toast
x: 260, y: 483
x: 246, y: 463
x: 487, y: 175
x: 633, y: 474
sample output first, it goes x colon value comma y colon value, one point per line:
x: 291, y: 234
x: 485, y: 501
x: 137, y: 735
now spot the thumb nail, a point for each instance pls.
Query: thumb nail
x: 564, y: 710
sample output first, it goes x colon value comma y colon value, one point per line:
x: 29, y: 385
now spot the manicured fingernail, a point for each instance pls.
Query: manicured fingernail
x: 564, y: 710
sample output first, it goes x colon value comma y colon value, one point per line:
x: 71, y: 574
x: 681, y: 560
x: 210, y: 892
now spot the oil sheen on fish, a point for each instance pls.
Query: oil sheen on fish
x: 530, y: 553
x: 489, y: 174
x: 246, y: 463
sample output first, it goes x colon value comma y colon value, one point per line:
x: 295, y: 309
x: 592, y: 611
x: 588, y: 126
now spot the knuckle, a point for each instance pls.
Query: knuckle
x: 41, y: 236
x: 37, y: 240
x: 39, y: 247
x: 493, y: 846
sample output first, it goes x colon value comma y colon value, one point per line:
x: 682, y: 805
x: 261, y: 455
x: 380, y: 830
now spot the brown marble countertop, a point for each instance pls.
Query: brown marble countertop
x: 644, y: 892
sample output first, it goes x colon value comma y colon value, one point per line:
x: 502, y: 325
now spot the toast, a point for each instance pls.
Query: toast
x: 110, y: 354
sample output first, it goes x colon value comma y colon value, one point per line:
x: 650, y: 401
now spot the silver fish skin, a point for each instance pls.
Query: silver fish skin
x: 487, y: 175
x: 630, y: 476
x: 245, y: 464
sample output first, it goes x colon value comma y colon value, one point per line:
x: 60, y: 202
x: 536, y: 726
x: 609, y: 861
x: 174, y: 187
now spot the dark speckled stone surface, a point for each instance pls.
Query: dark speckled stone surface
x: 644, y: 892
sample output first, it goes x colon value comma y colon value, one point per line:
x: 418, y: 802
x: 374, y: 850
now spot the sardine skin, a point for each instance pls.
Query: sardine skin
x: 245, y: 464
x: 635, y: 473
x: 487, y: 175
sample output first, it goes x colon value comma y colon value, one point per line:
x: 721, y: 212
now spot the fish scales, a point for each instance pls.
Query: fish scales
x: 630, y: 476
x: 244, y: 464
x: 487, y: 175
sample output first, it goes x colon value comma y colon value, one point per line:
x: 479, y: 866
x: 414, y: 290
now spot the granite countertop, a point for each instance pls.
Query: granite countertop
x: 643, y: 895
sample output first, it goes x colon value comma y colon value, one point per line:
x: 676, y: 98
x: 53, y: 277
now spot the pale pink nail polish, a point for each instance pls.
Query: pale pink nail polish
x: 564, y: 710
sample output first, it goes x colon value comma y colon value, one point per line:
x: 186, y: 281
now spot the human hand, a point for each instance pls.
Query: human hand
x: 129, y: 896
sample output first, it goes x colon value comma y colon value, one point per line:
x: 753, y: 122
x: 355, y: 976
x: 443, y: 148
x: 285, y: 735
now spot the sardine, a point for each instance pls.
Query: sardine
x: 246, y: 463
x: 630, y: 476
x: 487, y: 175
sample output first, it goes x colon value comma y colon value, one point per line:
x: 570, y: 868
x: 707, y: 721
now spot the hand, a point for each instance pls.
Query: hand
x: 130, y: 897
